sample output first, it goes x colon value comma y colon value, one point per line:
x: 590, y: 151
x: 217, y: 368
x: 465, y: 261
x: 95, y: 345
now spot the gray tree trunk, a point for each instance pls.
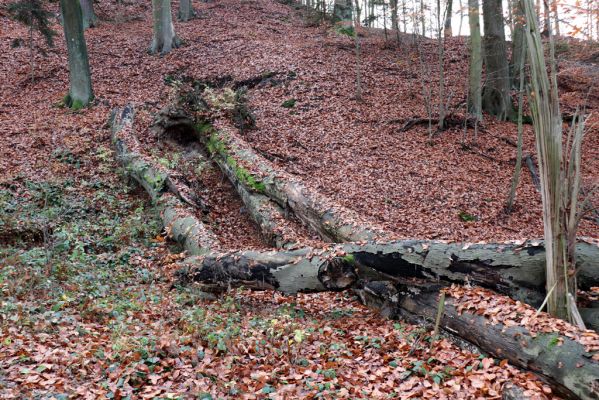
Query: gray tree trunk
x: 518, y: 41
x: 394, y: 20
x: 80, y: 84
x: 164, y: 38
x: 89, y: 16
x: 476, y: 61
x: 496, y: 92
x: 186, y: 11
x: 447, y: 31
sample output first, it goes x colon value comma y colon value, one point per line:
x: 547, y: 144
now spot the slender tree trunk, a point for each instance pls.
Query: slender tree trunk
x: 441, y: 52
x: 185, y: 10
x: 516, y: 176
x: 394, y: 23
x: 89, y: 16
x: 496, y: 92
x: 80, y: 83
x: 422, y: 17
x: 546, y: 19
x: 164, y: 38
x: 476, y: 61
x: 447, y: 32
x: 555, y: 5
x: 518, y: 40
x: 461, y: 18
x: 358, y: 53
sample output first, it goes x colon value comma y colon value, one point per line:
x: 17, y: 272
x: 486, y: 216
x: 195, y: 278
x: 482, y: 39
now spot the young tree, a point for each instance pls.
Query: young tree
x: 358, y: 52
x: 80, y: 87
x: 476, y: 61
x: 164, y: 38
x: 186, y: 11
x: 89, y: 16
x: 559, y: 173
x: 33, y: 14
x: 496, y: 98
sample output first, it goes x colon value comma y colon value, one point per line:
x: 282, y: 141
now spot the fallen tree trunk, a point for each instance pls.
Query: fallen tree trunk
x: 257, y: 175
x: 516, y: 270
x: 288, y: 271
x: 564, y: 363
x: 179, y: 220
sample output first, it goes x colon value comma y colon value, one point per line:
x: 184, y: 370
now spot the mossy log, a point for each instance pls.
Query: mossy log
x: 175, y: 123
x: 179, y: 219
x: 257, y: 175
x: 566, y: 366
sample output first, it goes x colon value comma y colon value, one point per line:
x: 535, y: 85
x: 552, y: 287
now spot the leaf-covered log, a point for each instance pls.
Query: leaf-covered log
x: 562, y: 362
x: 257, y: 175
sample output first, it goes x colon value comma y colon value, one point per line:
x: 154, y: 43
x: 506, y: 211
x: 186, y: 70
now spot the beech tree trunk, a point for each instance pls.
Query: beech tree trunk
x: 186, y: 11
x: 518, y: 41
x: 89, y: 16
x: 164, y: 38
x: 447, y: 31
x: 476, y: 61
x: 496, y: 98
x: 80, y: 83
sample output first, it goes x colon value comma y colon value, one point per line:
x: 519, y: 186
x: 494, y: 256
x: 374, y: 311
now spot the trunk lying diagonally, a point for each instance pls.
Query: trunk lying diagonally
x: 178, y: 218
x: 567, y: 367
x: 255, y: 174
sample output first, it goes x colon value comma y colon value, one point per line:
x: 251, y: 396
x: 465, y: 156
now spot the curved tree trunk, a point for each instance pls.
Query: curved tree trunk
x: 80, y: 84
x: 496, y: 98
x: 89, y: 16
x: 164, y: 38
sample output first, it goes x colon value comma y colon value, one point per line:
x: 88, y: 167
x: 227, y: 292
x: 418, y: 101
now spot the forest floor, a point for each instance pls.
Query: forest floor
x: 88, y: 307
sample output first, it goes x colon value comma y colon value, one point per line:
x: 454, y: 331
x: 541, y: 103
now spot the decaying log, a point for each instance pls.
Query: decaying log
x: 567, y: 367
x: 174, y: 123
x: 288, y: 271
x: 179, y: 219
x: 516, y: 270
x: 257, y: 175
x: 533, y: 172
